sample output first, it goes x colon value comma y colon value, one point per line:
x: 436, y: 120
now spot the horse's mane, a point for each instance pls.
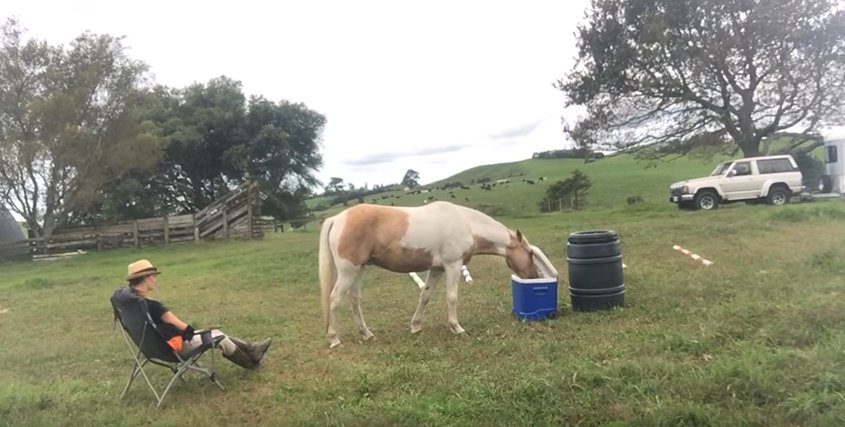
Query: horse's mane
x: 478, y: 219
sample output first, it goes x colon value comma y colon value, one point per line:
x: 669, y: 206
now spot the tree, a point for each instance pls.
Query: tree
x: 411, y: 179
x: 217, y: 140
x: 570, y: 193
x: 282, y: 152
x: 335, y: 185
x: 200, y: 123
x: 69, y: 124
x: 681, y: 73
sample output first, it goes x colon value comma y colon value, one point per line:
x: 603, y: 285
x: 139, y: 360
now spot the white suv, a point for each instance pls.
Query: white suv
x: 771, y: 178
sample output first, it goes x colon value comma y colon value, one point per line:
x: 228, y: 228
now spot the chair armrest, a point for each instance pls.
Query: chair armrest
x: 205, y: 329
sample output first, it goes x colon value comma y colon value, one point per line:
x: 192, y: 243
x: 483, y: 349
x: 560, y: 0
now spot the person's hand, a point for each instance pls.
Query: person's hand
x: 188, y: 333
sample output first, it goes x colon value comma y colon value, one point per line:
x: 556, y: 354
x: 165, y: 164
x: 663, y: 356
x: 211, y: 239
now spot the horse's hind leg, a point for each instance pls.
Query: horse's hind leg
x: 355, y: 299
x: 425, y: 295
x: 347, y: 275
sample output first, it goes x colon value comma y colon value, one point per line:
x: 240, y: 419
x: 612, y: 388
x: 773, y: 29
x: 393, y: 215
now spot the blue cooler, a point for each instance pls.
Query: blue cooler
x: 534, y: 299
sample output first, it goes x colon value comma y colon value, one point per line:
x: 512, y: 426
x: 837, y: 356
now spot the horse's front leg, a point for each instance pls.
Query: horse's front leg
x: 425, y: 295
x: 453, y: 272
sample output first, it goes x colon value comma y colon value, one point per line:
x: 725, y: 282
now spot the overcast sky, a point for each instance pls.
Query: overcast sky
x: 435, y: 86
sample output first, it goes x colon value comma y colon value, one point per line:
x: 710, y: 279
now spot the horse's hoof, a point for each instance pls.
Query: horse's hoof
x: 415, y: 329
x: 368, y: 337
x: 334, y: 344
x: 458, y: 330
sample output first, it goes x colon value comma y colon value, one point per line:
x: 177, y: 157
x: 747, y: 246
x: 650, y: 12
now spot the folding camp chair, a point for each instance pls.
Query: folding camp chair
x: 138, y: 327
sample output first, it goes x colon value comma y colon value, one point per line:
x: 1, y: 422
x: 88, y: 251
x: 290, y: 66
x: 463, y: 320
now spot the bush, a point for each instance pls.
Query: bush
x: 634, y: 199
x: 811, y: 168
x: 569, y: 194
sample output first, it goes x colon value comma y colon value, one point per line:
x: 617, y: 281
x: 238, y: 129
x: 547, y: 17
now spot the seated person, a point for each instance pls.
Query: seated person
x: 742, y: 169
x: 180, y: 335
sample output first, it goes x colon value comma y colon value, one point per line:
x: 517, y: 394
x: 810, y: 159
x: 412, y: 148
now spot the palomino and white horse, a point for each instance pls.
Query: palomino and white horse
x: 439, y: 237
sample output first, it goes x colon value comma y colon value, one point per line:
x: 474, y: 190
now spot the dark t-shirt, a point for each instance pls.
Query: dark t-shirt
x: 157, y: 310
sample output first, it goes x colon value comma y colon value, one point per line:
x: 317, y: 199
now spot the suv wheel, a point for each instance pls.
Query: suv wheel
x: 778, y: 196
x: 707, y: 200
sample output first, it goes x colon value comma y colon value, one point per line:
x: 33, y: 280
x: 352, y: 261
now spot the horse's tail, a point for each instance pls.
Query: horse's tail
x: 328, y: 271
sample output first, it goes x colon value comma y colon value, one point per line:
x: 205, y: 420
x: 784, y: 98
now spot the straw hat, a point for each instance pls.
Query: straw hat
x: 140, y: 268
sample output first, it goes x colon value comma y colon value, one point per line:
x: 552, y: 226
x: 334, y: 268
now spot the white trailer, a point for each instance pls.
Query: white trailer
x: 833, y: 181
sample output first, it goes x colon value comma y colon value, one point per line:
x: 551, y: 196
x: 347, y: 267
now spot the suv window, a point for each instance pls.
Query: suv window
x: 720, y: 169
x: 831, y: 154
x: 742, y: 168
x: 774, y: 166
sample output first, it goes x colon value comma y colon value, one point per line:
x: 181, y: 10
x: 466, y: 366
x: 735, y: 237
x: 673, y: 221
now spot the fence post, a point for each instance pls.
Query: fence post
x: 196, y: 228
x: 135, y: 233
x: 99, y: 239
x: 226, y: 222
x: 166, y: 230
x: 249, y: 216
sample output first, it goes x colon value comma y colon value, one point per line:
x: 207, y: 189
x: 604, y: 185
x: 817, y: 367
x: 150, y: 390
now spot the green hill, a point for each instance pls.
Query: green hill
x: 614, y: 179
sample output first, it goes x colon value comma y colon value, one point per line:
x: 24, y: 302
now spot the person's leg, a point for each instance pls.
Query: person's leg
x: 230, y: 350
x: 256, y: 350
x: 226, y: 345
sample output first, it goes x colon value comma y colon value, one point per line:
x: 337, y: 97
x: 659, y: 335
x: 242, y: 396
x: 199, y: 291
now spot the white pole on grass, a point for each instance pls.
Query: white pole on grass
x: 417, y: 279
x: 421, y: 283
x: 465, y: 272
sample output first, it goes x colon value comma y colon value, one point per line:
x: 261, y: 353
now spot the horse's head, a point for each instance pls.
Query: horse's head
x: 520, y: 257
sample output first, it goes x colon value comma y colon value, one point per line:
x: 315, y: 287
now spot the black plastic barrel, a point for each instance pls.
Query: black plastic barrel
x: 595, y: 270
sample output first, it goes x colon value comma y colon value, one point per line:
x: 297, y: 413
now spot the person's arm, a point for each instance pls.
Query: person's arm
x: 158, y: 309
x: 169, y: 317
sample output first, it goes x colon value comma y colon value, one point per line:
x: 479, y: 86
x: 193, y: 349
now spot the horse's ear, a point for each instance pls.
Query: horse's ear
x: 518, y: 235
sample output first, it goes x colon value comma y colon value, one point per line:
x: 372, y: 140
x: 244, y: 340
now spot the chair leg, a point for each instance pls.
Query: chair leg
x: 194, y: 366
x: 178, y: 370
x: 152, y: 388
x: 139, y: 369
x: 213, y: 377
x: 179, y: 373
x: 134, y: 374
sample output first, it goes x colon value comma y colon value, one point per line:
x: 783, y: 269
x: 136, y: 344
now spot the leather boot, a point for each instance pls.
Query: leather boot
x: 259, y: 348
x: 241, y: 358
x: 255, y: 350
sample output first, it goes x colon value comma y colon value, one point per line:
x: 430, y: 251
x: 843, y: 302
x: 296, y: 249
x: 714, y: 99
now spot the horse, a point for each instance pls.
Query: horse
x: 439, y: 237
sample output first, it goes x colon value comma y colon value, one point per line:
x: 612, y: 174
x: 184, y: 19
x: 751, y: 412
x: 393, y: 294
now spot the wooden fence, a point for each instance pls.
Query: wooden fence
x: 235, y: 215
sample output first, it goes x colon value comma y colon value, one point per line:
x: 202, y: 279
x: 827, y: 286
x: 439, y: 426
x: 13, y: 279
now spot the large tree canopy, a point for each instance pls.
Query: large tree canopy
x: 281, y: 152
x: 684, y: 72
x: 216, y: 139
x: 69, y: 124
x: 200, y: 123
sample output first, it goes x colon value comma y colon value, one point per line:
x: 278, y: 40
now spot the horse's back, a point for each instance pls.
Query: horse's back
x: 392, y: 216
x: 401, y: 238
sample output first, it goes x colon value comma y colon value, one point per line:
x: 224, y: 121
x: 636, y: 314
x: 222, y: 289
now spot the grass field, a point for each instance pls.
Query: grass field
x: 758, y: 338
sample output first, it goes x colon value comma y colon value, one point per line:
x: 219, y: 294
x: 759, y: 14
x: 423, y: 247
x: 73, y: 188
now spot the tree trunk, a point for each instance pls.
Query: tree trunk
x: 34, y: 228
x: 750, y: 147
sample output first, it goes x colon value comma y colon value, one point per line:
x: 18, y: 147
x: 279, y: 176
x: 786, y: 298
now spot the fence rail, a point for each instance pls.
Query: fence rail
x: 235, y: 215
